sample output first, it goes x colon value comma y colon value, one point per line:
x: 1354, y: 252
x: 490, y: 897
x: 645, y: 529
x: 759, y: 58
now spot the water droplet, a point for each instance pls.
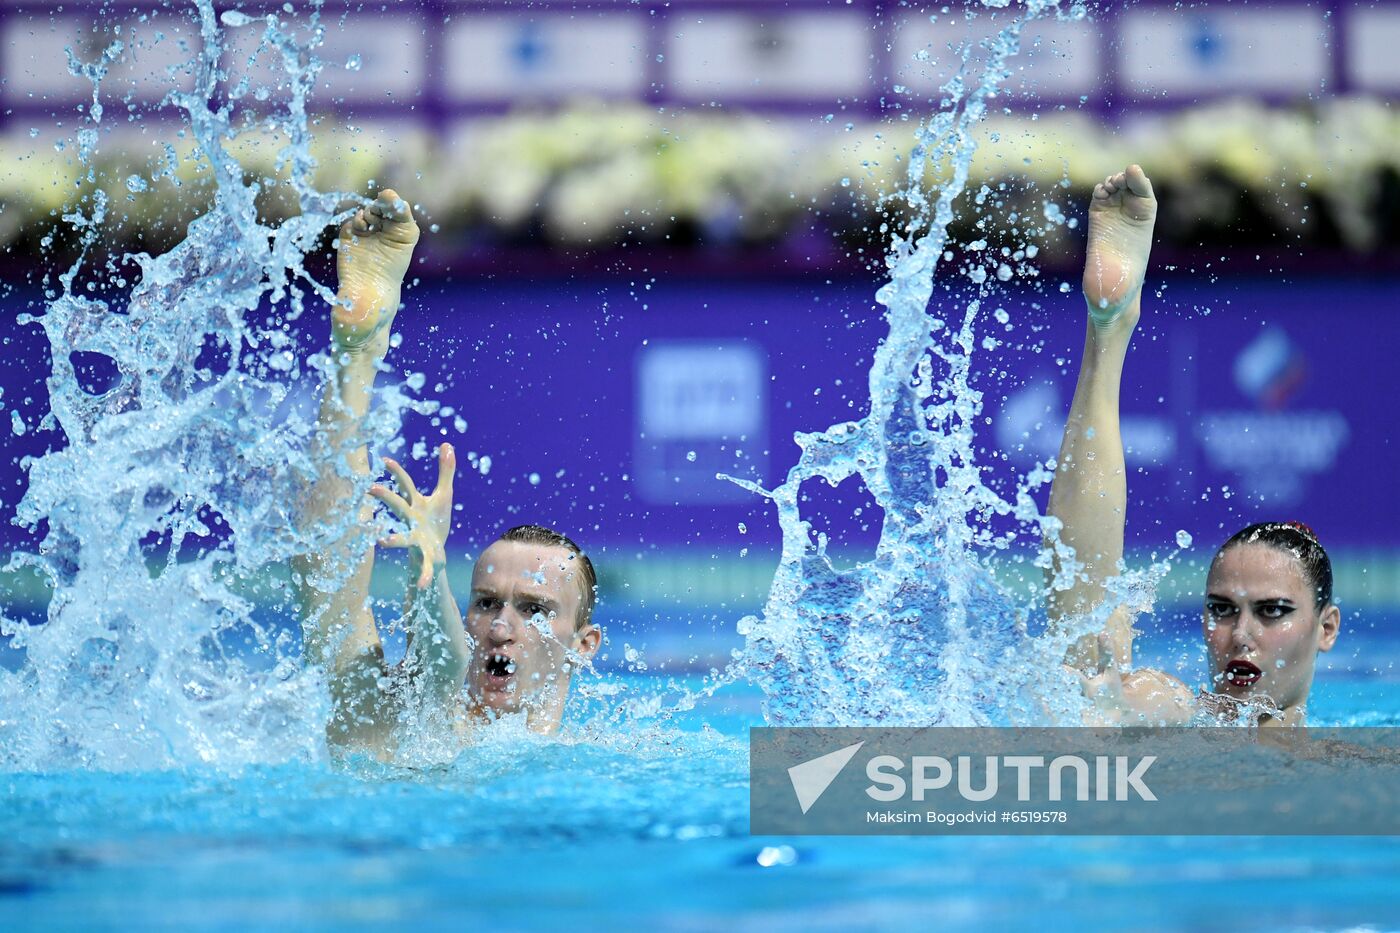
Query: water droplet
x: 772, y: 856
x: 690, y: 455
x: 135, y: 183
x: 1183, y: 539
x: 352, y: 63
x: 534, y: 479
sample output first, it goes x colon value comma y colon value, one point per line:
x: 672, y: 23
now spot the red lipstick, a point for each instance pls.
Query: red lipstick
x: 1242, y: 673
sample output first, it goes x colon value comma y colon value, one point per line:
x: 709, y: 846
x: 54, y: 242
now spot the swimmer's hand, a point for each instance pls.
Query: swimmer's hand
x: 1121, y: 215
x: 1103, y: 688
x: 1145, y: 697
x: 429, y: 518
x: 373, y: 250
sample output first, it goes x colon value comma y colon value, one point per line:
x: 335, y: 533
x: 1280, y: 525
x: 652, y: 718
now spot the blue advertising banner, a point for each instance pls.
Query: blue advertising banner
x: 1243, y: 400
x: 607, y: 406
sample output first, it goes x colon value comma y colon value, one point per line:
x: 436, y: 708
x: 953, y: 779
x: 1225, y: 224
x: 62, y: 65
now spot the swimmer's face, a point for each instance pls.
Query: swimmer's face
x: 1262, y: 626
x: 521, y: 617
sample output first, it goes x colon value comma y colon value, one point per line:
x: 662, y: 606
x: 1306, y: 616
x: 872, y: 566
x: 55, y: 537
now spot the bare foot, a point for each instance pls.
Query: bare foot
x: 1121, y: 215
x: 373, y: 251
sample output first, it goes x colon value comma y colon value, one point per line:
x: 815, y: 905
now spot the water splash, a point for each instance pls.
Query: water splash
x: 174, y: 493
x: 172, y: 496
x: 922, y: 633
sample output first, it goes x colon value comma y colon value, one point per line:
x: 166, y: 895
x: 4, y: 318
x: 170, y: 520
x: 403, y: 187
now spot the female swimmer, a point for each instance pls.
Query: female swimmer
x: 1268, y: 608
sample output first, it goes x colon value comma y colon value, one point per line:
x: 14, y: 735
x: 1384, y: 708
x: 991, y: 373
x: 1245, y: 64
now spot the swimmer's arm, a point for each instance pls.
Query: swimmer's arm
x: 436, y: 658
x: 435, y: 663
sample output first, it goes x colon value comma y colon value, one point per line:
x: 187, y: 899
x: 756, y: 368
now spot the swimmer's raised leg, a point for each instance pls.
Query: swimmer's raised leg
x: 374, y: 249
x: 1089, y: 492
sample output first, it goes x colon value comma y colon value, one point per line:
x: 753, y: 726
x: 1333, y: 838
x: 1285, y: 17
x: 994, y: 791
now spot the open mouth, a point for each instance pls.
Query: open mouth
x: 500, y: 668
x: 1241, y: 673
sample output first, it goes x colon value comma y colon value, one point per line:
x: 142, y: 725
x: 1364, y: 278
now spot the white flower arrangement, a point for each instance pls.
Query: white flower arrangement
x: 593, y: 174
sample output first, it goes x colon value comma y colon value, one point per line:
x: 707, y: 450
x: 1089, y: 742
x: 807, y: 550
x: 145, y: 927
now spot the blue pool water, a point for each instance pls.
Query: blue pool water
x: 641, y: 825
x: 635, y: 820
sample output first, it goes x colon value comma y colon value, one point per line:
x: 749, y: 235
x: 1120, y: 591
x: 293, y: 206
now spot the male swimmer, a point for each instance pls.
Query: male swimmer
x: 529, y: 619
x: 1268, y: 605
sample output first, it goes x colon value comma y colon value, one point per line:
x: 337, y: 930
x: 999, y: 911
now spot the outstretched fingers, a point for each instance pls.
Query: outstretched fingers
x: 447, y: 470
x: 402, y: 479
x: 393, y: 500
x: 401, y: 540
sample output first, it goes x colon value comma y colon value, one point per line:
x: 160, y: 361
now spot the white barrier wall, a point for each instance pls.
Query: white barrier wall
x: 456, y: 58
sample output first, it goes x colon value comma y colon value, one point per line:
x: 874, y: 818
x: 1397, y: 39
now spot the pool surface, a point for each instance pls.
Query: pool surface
x: 644, y: 827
